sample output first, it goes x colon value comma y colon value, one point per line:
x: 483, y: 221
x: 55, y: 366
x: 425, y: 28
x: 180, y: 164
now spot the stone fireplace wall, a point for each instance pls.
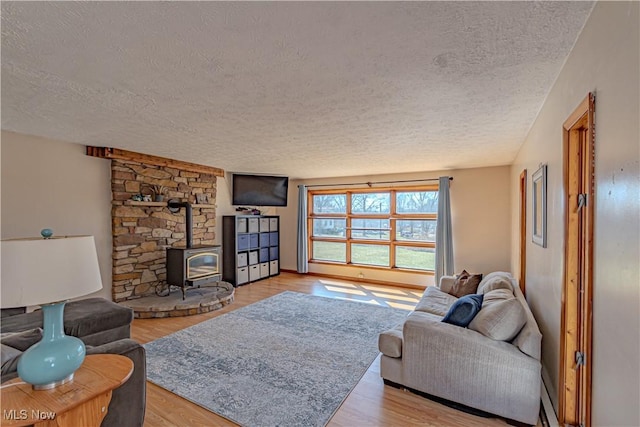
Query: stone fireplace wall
x: 143, y: 231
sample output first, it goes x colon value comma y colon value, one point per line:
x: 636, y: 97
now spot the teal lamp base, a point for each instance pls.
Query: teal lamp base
x: 53, y: 360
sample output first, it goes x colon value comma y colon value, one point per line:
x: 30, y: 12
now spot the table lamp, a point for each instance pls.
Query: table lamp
x: 47, y: 272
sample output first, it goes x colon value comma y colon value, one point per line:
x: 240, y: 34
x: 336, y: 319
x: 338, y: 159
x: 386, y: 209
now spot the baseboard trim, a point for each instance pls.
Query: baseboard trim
x: 547, y: 413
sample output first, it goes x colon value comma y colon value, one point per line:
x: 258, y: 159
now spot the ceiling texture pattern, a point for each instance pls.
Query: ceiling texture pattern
x: 304, y: 89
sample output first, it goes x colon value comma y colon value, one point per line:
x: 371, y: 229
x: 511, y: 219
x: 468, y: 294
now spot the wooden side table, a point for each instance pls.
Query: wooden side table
x: 81, y: 402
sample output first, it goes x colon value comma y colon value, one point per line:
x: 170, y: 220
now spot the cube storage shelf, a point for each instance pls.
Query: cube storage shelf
x: 250, y: 248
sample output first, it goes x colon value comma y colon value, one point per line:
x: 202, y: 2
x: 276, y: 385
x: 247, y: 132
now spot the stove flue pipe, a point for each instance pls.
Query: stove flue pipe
x: 174, y: 207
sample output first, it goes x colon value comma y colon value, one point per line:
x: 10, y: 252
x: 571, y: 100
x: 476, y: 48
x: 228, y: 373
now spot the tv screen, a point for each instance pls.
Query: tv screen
x: 259, y: 190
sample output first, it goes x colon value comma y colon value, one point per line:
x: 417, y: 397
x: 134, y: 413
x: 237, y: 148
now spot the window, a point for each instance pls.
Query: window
x: 382, y: 228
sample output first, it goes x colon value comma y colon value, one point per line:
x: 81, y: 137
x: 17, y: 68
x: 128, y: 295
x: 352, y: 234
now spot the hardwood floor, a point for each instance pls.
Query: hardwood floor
x: 371, y: 403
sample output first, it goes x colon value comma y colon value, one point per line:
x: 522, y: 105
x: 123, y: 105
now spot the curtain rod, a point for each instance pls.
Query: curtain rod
x: 376, y: 182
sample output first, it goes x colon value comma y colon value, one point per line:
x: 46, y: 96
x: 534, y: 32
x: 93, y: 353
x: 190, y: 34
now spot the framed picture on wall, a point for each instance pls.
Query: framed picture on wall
x: 539, y: 196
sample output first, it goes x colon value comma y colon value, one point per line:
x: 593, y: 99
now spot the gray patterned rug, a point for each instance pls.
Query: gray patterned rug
x: 289, y: 360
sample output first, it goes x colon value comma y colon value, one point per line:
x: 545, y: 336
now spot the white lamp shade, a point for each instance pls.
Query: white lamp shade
x: 40, y: 271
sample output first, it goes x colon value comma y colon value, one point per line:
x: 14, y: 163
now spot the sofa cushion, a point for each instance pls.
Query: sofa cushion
x: 10, y: 357
x: 446, y: 283
x: 7, y: 353
x: 500, y: 319
x: 81, y: 318
x: 465, y: 284
x: 390, y: 342
x: 464, y: 310
x: 21, y: 340
x: 495, y: 280
x: 8, y: 312
x: 529, y: 339
x: 435, y: 301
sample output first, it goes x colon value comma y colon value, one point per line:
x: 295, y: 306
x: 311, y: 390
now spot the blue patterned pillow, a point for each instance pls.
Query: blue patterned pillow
x: 462, y: 312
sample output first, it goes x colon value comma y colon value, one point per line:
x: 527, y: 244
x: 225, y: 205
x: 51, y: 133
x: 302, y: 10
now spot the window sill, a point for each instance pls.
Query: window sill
x: 373, y: 267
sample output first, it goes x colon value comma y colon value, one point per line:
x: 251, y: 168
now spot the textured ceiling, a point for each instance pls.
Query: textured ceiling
x: 305, y: 89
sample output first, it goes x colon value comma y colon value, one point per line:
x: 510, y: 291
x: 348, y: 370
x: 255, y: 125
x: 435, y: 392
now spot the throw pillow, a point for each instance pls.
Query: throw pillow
x: 465, y: 284
x: 494, y: 281
x: 500, y: 320
x: 462, y: 312
x: 21, y: 340
x: 495, y: 296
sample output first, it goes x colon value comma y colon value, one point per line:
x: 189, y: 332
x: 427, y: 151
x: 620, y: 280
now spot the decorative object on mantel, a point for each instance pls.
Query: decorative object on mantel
x: 539, y: 195
x: 158, y: 192
x: 47, y: 272
x: 202, y: 199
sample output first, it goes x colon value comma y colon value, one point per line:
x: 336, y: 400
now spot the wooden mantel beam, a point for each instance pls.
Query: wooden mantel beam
x: 117, y: 153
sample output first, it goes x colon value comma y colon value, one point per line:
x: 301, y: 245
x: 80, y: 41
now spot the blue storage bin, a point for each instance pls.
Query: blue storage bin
x: 264, y: 254
x: 243, y: 242
x: 273, y: 238
x: 254, y: 241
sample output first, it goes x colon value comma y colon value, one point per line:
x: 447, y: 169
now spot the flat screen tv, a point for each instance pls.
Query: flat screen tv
x: 259, y: 190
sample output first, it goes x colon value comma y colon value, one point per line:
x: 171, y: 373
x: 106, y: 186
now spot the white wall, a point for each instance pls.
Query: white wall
x: 480, y: 216
x: 605, y: 60
x: 53, y: 184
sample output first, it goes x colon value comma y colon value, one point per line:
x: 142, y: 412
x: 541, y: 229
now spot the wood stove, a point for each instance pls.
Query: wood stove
x: 193, y: 265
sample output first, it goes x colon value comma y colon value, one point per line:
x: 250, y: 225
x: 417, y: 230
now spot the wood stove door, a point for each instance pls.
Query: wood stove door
x: 202, y: 264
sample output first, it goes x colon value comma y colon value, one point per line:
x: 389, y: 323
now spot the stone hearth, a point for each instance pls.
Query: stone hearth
x: 198, y: 301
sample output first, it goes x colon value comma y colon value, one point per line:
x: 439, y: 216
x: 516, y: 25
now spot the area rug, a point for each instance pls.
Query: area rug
x: 288, y: 360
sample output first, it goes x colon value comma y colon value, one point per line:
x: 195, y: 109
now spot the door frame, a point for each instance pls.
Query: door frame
x: 523, y: 231
x: 577, y: 295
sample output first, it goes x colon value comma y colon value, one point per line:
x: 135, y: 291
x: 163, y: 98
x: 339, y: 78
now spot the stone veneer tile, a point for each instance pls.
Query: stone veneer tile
x: 141, y: 234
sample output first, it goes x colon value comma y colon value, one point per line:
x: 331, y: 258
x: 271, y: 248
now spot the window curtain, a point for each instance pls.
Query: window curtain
x: 444, y: 238
x: 303, y: 265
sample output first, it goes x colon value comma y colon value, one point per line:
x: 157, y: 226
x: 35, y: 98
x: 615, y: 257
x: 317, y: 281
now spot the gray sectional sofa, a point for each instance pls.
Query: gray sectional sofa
x: 492, y: 365
x: 105, y: 328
